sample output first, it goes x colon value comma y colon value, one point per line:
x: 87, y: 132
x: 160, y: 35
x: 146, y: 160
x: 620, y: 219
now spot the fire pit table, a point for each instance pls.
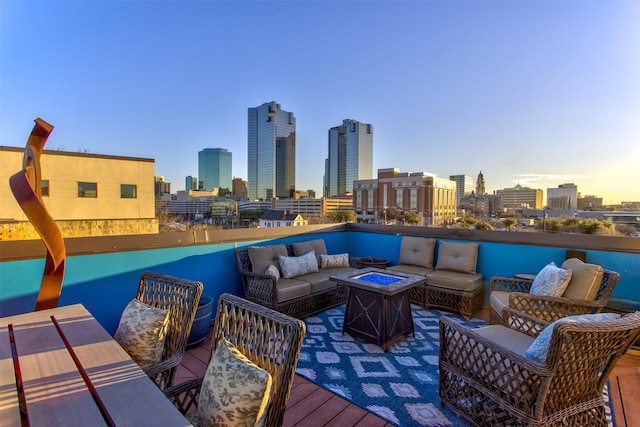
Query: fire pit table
x: 378, y: 308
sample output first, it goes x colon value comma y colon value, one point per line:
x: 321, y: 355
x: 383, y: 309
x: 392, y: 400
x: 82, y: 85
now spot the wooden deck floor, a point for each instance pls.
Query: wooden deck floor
x: 310, y: 405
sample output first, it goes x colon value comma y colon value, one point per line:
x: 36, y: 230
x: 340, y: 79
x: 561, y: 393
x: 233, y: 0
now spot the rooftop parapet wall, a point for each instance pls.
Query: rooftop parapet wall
x: 102, y: 272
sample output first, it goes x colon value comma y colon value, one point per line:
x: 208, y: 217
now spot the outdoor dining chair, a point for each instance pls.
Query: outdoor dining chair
x: 178, y: 299
x: 261, y: 341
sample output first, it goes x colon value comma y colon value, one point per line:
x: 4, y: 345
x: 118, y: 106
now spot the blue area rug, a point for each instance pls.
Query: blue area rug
x: 400, y: 386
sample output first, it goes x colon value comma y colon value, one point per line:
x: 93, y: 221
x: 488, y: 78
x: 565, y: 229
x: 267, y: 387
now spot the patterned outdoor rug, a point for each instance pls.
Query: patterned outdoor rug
x: 400, y: 386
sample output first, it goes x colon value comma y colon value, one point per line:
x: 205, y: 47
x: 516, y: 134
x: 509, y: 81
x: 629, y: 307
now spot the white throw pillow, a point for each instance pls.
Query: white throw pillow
x: 142, y: 332
x: 272, y: 270
x: 334, y: 261
x: 551, y: 281
x: 292, y: 266
x: 539, y: 348
x: 235, y: 391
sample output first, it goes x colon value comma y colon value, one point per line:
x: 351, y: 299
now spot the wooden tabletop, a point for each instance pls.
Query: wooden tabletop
x: 34, y: 357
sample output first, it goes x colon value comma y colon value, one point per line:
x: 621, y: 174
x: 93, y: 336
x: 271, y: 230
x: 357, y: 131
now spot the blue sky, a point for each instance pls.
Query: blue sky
x: 539, y: 93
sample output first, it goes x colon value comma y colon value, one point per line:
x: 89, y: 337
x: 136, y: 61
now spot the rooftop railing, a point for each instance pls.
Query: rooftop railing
x: 102, y: 272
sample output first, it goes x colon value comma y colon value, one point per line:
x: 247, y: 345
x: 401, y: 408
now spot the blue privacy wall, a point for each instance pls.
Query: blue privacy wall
x: 106, y: 282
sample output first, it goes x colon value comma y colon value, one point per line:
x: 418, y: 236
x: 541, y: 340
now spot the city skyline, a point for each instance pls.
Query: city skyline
x: 531, y: 93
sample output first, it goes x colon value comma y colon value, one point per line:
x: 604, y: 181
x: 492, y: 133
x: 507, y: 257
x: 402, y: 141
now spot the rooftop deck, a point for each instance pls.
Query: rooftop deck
x: 311, y: 405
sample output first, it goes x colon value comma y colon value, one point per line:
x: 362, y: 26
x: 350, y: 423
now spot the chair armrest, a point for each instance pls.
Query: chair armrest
x: 162, y: 373
x: 550, y: 308
x: 507, y: 284
x: 522, y: 322
x: 259, y: 288
x: 185, y: 395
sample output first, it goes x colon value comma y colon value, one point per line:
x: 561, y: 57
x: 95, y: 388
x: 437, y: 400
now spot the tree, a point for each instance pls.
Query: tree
x: 393, y: 213
x: 341, y: 216
x: 482, y: 225
x: 411, y: 218
x: 509, y: 223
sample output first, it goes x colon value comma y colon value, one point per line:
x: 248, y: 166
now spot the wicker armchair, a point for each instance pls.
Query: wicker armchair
x: 485, y: 377
x: 545, y: 307
x: 270, y: 339
x: 180, y: 297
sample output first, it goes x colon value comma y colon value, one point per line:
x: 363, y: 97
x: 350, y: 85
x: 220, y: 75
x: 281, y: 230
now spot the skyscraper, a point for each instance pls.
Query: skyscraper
x: 214, y: 168
x: 271, y: 152
x: 190, y: 183
x: 464, y: 185
x: 350, y: 157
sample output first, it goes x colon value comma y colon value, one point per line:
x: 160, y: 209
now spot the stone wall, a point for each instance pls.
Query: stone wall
x: 24, y: 230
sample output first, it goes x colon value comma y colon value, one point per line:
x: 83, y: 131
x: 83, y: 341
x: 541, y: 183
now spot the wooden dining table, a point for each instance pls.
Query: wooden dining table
x: 60, y: 367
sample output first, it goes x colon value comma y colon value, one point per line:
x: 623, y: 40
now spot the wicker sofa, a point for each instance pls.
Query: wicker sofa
x: 453, y: 284
x: 298, y: 296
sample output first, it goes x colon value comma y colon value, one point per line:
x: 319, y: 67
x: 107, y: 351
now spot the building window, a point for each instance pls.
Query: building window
x: 87, y: 189
x: 399, y: 203
x: 413, y: 199
x: 45, y: 188
x: 128, y: 191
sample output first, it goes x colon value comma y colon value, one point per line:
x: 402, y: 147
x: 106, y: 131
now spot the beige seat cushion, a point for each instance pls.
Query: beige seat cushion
x: 411, y: 269
x: 318, y: 281
x: 417, y: 251
x: 263, y: 256
x: 499, y: 300
x: 288, y: 289
x: 456, y: 256
x: 317, y: 245
x: 506, y: 338
x: 585, y: 279
x: 454, y: 280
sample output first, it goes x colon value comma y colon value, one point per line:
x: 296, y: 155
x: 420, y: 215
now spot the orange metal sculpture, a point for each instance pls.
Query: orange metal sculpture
x: 26, y: 186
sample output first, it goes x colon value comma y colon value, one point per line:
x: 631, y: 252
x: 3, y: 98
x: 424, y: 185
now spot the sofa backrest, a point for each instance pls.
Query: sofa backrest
x: 417, y: 251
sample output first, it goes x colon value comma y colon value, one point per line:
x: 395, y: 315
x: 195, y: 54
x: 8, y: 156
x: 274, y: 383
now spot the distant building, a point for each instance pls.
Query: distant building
x: 271, y: 152
x: 277, y: 218
x: 589, y: 203
x: 190, y: 183
x: 521, y: 197
x: 350, y: 157
x: 86, y: 194
x: 565, y: 197
x: 482, y: 206
x: 161, y: 187
x: 315, y: 209
x: 214, y: 168
x: 464, y: 185
x: 480, y: 187
x: 239, y: 189
x: 432, y: 198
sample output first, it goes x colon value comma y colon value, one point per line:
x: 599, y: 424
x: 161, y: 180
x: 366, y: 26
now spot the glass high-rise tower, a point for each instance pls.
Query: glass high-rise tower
x: 350, y: 157
x: 214, y: 168
x: 271, y: 152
